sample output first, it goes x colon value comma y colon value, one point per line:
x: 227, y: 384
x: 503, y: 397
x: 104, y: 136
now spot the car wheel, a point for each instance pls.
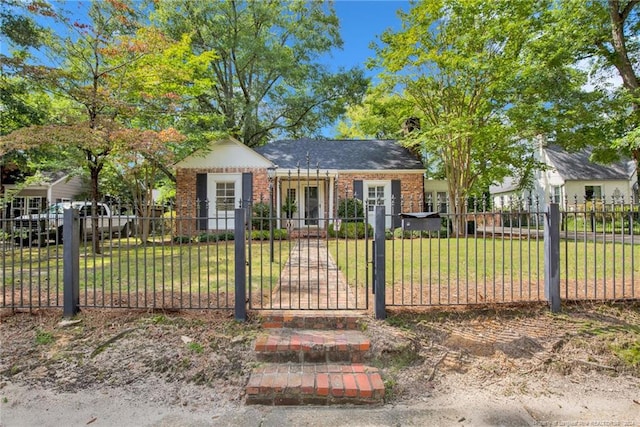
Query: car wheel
x: 125, y: 231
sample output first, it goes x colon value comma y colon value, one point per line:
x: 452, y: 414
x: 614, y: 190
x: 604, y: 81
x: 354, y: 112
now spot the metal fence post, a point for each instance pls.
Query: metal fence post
x: 379, y: 260
x: 552, y: 257
x: 71, y: 262
x: 240, y: 265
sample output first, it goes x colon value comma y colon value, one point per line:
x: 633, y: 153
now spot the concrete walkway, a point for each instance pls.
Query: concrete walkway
x: 311, y: 280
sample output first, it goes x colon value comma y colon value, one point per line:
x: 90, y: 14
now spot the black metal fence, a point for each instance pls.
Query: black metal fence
x: 155, y: 261
x: 499, y: 257
x: 163, y: 261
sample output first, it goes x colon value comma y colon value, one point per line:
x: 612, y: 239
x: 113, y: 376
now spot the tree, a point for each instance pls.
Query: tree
x: 601, y: 37
x: 90, y: 69
x: 269, y: 81
x: 456, y: 64
x: 378, y: 116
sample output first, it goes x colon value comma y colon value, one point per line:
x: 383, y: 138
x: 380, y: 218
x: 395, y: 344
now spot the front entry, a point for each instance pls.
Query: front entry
x: 311, y: 210
x: 305, y: 264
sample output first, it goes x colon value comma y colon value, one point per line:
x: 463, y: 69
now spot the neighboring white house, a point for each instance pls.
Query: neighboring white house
x: 571, y: 178
x: 53, y: 187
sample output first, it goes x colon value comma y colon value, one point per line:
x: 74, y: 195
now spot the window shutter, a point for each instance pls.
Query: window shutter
x: 396, y: 197
x: 358, y: 190
x: 247, y: 189
x: 201, y: 201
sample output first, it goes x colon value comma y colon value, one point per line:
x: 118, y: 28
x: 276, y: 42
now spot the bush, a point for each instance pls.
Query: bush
x: 260, y: 220
x: 216, y: 237
x: 351, y: 210
x: 278, y: 234
x: 181, y: 239
x: 399, y: 233
x: 350, y: 230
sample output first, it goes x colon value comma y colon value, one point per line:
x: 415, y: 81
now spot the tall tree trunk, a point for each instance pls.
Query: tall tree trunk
x: 95, y: 194
x: 623, y: 63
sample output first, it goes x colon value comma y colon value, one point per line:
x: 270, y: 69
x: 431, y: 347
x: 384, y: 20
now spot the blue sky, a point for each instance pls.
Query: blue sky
x: 361, y: 22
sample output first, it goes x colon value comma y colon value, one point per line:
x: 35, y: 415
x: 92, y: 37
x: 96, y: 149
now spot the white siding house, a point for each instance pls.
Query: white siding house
x: 52, y: 188
x: 572, y: 178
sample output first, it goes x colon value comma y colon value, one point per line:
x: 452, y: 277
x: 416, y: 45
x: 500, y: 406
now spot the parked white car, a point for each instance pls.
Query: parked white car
x: 47, y: 226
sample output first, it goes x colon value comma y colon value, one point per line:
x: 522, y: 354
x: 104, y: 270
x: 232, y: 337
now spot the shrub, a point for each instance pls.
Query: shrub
x: 289, y: 207
x: 399, y: 233
x: 350, y: 230
x: 278, y: 234
x: 216, y: 237
x: 181, y: 239
x: 260, y: 220
x: 351, y: 210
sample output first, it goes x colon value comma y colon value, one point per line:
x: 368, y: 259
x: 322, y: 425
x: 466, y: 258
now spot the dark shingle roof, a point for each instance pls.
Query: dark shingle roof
x: 371, y: 154
x: 577, y: 166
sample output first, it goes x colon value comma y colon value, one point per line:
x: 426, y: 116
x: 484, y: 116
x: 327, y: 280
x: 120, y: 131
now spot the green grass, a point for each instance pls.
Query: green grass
x: 44, y: 337
x: 204, y: 273
x: 203, y: 270
x: 477, y: 261
x: 629, y: 353
x: 195, y: 347
x: 600, y: 221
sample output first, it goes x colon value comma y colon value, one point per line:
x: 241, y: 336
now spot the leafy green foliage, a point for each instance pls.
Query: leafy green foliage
x: 216, y: 237
x: 458, y: 68
x: 278, y: 234
x: 261, y: 214
x: 351, y: 230
x: 266, y: 55
x: 594, y: 43
x: 351, y: 210
x: 289, y: 207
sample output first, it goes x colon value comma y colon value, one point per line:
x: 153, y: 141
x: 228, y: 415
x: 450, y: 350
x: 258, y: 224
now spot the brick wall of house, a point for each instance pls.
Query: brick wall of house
x: 186, y: 192
x: 412, y: 186
x: 412, y: 190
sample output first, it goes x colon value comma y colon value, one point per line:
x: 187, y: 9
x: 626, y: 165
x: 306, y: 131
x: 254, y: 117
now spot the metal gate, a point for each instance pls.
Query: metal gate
x: 308, y: 244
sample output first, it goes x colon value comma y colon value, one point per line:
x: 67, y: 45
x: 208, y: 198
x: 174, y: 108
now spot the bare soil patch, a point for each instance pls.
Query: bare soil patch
x: 204, y: 358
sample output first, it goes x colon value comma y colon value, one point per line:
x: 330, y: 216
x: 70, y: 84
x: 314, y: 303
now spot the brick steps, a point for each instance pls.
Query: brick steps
x: 316, y: 320
x: 315, y: 359
x: 292, y: 345
x: 315, y: 384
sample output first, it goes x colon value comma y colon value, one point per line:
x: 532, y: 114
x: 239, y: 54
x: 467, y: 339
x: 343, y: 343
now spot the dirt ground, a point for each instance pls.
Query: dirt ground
x: 506, y: 366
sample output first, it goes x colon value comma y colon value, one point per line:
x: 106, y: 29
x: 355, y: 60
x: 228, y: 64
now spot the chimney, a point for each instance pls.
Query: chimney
x: 411, y: 124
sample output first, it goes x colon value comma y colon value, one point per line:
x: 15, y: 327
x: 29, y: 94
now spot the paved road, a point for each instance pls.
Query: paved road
x: 580, y: 236
x: 24, y: 406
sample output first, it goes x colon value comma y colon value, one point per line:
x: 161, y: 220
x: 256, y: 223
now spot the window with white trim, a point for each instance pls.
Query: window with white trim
x: 225, y: 195
x: 375, y: 196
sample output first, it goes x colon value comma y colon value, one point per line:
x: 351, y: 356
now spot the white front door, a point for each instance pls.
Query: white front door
x: 377, y: 193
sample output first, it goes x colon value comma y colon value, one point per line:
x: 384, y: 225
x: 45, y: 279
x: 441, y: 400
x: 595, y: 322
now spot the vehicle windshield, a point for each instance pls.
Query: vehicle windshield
x: 57, y: 208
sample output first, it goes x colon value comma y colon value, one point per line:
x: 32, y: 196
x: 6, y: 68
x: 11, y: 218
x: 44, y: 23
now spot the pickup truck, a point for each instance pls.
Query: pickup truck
x: 44, y: 227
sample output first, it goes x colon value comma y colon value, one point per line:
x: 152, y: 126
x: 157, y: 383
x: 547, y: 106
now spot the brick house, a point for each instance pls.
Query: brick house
x: 307, y: 175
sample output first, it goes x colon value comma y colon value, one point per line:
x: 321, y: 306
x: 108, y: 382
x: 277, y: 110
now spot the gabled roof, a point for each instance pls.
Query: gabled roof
x: 507, y: 185
x: 340, y: 154
x: 228, y: 152
x: 577, y: 166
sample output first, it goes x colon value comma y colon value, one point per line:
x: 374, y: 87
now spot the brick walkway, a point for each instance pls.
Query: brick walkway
x: 311, y: 349
x: 311, y: 280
